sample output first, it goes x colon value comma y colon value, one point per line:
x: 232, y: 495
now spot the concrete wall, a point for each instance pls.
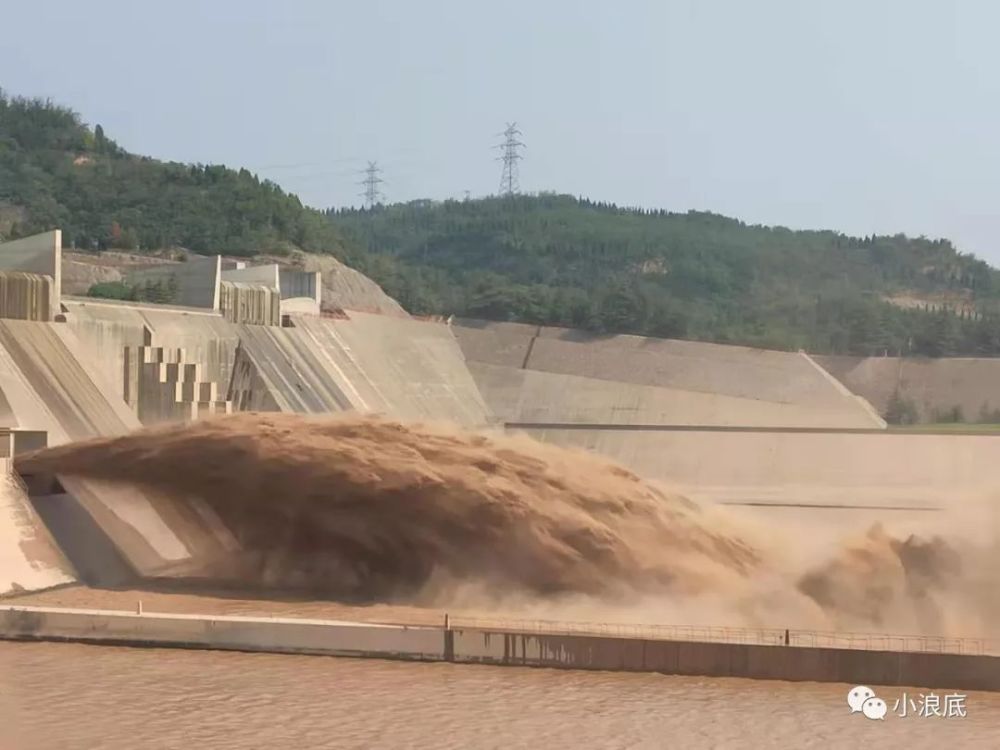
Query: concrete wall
x: 766, y: 457
x: 51, y: 384
x: 106, y: 329
x: 169, y: 388
x: 799, y: 467
x: 29, y: 558
x: 368, y: 363
x: 266, y: 275
x: 295, y: 284
x: 154, y: 535
x: 39, y: 254
x: 642, y: 380
x: 234, y: 633
x: 300, y: 306
x: 794, y: 663
x: 405, y: 368
x: 280, y: 368
x: 934, y: 385
x: 525, y: 396
x: 301, y: 292
x: 25, y: 296
x: 252, y: 304
x: 197, y: 280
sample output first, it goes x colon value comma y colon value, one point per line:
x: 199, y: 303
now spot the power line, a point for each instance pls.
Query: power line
x: 372, y: 194
x: 510, y: 156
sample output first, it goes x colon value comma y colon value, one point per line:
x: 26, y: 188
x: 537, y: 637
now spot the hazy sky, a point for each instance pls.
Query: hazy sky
x: 857, y: 115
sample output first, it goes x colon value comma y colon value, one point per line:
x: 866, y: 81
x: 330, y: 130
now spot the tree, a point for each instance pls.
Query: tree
x: 112, y: 290
x: 622, y: 309
x: 901, y: 410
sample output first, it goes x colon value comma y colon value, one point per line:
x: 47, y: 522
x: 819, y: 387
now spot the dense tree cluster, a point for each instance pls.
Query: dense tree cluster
x: 560, y: 260
x: 59, y: 173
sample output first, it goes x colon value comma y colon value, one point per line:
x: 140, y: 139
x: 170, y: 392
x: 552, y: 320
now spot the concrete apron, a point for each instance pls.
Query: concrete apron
x: 484, y: 645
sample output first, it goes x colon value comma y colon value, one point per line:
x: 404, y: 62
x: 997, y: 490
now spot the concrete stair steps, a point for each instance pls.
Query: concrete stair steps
x: 197, y: 391
x: 179, y: 372
x: 161, y: 355
x: 163, y: 385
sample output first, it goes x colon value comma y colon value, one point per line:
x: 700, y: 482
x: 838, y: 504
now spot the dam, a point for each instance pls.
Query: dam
x: 769, y: 435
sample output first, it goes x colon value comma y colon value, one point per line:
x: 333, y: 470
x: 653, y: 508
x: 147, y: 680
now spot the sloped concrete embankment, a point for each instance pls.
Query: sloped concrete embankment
x: 934, y: 386
x: 530, y: 373
x: 108, y: 533
x: 30, y: 560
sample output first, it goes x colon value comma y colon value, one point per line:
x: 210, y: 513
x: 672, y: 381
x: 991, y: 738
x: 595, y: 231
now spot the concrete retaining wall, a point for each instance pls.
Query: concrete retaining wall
x: 700, y: 458
x: 250, y: 304
x: 933, y: 385
x: 300, y: 284
x: 39, y: 254
x: 25, y: 296
x: 266, y: 275
x: 792, y: 663
x: 226, y: 633
x: 197, y: 280
x: 526, y: 396
x: 29, y: 558
x: 483, y: 646
x: 640, y: 379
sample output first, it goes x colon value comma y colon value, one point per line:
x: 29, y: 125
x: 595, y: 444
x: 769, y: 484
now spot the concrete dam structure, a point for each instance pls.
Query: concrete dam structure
x: 543, y: 375
x: 106, y: 368
x: 722, y: 424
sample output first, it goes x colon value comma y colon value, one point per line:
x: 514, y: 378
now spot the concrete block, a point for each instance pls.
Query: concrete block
x: 40, y: 254
x: 25, y: 296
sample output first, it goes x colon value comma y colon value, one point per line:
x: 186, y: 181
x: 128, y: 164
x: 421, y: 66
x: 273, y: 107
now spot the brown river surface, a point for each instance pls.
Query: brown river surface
x: 70, y: 696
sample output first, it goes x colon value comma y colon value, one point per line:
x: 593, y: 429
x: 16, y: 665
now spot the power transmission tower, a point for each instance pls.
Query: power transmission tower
x: 510, y: 156
x: 372, y: 194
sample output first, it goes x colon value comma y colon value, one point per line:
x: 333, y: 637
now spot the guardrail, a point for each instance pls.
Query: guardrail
x: 886, y: 642
x: 752, y: 636
x: 707, y: 634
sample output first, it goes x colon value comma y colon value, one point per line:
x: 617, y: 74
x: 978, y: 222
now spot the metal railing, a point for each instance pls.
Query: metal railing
x: 753, y: 636
x: 888, y: 642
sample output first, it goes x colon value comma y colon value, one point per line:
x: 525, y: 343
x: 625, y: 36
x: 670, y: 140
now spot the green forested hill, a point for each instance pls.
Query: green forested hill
x: 547, y: 259
x: 560, y: 260
x: 56, y: 172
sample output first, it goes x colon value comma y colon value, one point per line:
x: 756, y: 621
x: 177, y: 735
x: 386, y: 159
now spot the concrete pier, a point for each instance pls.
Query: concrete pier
x: 775, y: 656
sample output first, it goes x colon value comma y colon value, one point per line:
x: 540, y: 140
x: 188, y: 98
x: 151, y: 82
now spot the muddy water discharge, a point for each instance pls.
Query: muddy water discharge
x: 374, y: 507
x: 357, y: 507
x: 73, y: 697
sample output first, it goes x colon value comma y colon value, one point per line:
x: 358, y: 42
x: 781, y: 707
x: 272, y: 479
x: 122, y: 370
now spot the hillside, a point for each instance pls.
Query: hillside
x: 56, y: 172
x: 546, y: 259
x: 555, y: 259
